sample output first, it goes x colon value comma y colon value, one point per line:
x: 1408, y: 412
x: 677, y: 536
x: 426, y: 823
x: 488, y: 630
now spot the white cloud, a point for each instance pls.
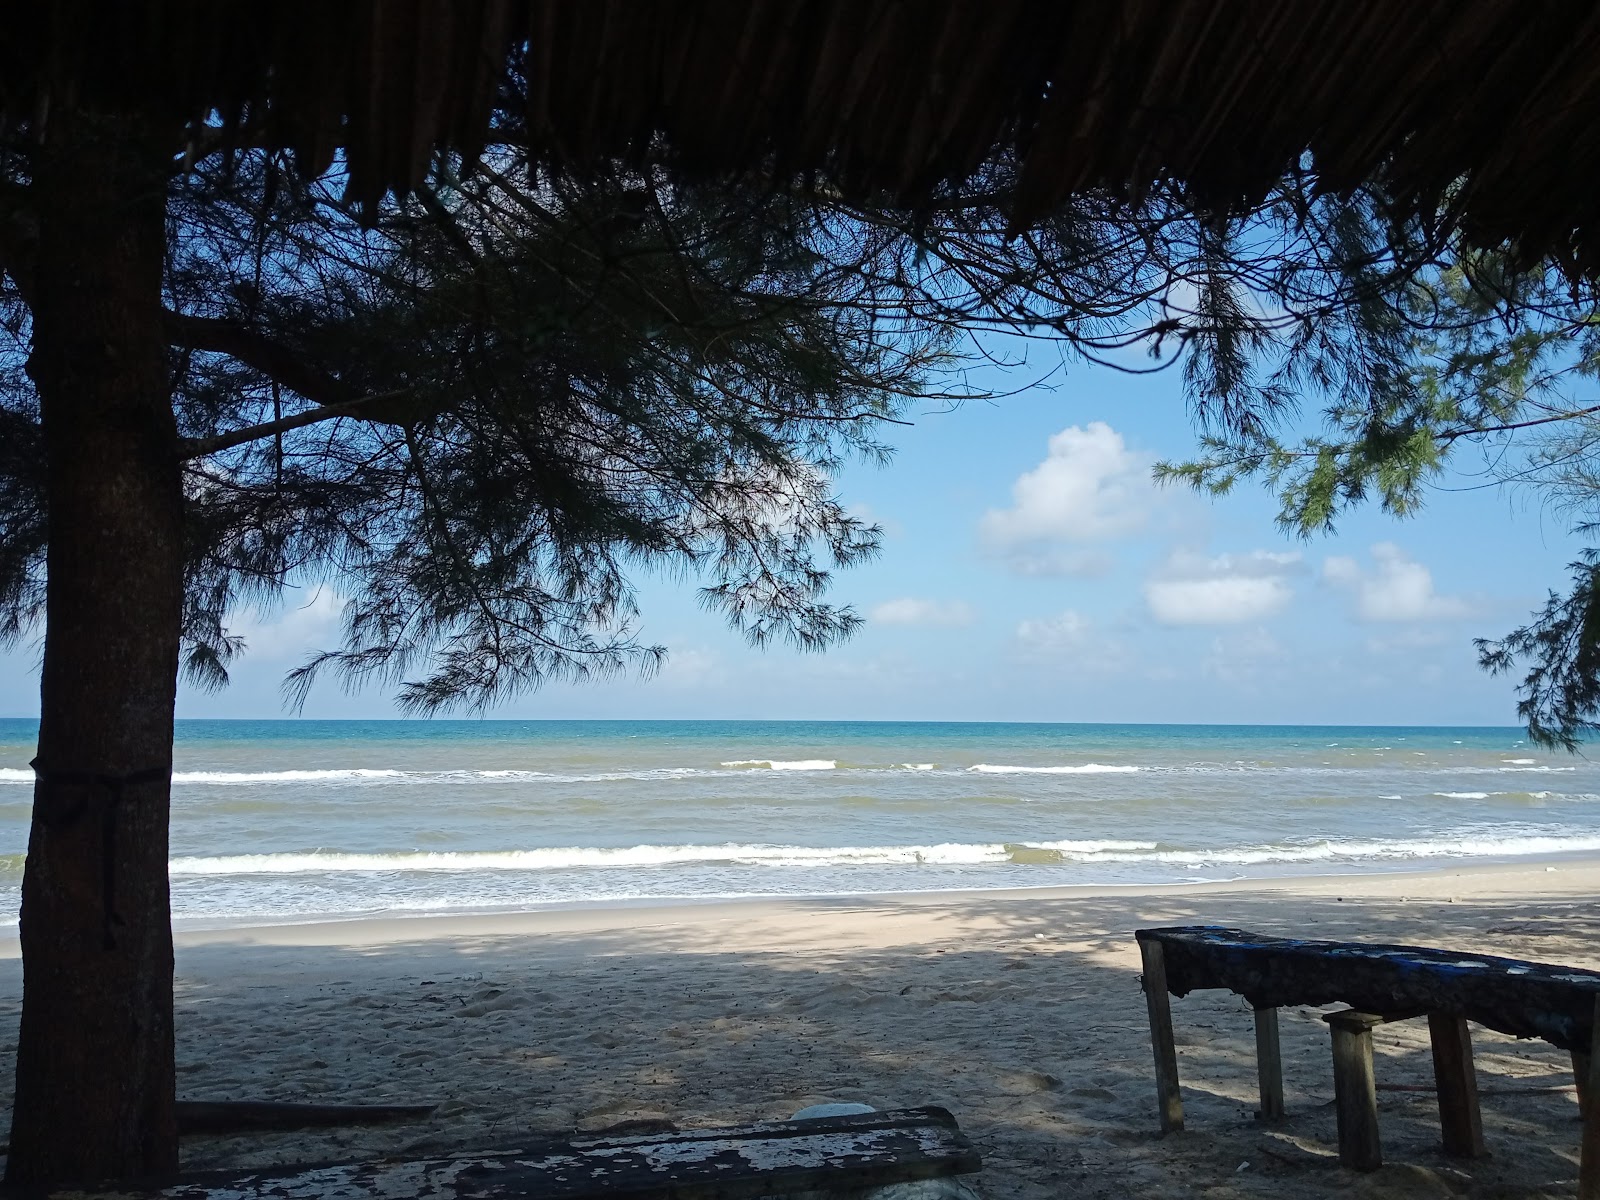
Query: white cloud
x: 1052, y: 563
x: 691, y: 667
x: 296, y: 631
x: 1090, y: 488
x: 1397, y: 588
x: 908, y: 610
x: 868, y: 515
x: 1230, y: 589
x: 1051, y: 635
x: 1069, y: 640
x: 1244, y: 656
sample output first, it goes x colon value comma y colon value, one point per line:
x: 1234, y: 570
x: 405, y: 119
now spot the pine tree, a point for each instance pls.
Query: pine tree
x: 476, y: 412
x: 1492, y: 373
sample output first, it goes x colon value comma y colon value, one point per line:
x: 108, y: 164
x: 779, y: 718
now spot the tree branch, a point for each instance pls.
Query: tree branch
x: 1450, y: 435
x: 367, y: 408
x: 279, y: 363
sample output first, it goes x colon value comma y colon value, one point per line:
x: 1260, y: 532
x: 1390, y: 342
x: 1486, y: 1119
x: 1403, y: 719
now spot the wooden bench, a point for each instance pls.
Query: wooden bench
x: 1381, y: 984
x: 766, y: 1159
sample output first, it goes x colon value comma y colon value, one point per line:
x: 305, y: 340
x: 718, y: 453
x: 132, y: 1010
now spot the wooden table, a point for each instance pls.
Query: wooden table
x: 1380, y: 983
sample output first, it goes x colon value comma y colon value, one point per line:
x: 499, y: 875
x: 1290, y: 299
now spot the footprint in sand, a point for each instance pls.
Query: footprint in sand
x: 1023, y: 1083
x: 1094, y: 1093
x: 496, y: 1002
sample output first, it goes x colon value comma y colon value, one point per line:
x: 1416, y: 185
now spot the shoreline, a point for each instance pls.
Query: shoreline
x: 1550, y: 876
x: 1547, y: 877
x: 1361, y: 881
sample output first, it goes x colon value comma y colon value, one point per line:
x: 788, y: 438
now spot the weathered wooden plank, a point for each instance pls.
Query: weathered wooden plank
x: 246, y: 1116
x: 1269, y: 1064
x: 1456, y: 1080
x: 1523, y: 999
x: 769, y: 1158
x: 1154, y: 982
x: 1355, y: 1090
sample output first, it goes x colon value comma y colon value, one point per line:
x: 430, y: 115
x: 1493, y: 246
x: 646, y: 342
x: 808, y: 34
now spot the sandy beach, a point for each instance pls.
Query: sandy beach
x: 1019, y: 1011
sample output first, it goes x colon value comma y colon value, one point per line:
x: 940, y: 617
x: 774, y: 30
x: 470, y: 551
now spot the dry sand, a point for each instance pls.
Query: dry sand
x: 1018, y: 1011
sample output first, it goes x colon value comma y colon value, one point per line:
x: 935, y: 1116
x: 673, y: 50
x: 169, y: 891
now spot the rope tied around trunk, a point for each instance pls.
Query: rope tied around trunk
x: 116, y: 791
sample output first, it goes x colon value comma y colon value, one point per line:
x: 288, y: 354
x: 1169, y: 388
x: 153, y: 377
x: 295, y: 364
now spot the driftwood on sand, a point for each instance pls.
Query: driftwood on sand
x: 768, y: 1158
x: 247, y: 1116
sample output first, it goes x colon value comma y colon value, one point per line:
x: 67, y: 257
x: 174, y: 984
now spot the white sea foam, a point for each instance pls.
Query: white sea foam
x: 391, y: 776
x: 776, y: 764
x: 1465, y: 795
x: 957, y: 854
x: 570, y: 857
x: 1520, y: 762
x: 1353, y: 851
x: 353, y: 775
x: 364, y: 775
x: 1085, y: 769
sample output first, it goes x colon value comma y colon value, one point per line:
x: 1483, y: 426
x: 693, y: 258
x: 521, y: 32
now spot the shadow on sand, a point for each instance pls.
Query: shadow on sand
x: 1021, y: 1015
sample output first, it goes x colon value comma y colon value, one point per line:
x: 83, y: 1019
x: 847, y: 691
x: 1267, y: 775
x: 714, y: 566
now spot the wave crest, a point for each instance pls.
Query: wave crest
x: 778, y: 764
x: 1084, y: 769
x: 1035, y: 853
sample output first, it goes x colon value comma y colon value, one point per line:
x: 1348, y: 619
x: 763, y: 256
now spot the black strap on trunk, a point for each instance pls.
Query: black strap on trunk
x: 116, y: 791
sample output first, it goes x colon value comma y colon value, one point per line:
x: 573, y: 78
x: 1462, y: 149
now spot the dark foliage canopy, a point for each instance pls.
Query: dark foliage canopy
x: 477, y: 413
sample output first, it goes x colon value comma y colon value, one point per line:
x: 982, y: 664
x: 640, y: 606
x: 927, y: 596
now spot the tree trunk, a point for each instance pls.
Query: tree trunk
x: 95, y: 1080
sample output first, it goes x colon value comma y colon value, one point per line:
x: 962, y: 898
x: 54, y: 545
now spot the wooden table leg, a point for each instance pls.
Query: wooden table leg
x: 1166, y: 1051
x: 1580, y: 1076
x: 1269, y: 1064
x: 1589, y: 1094
x: 1355, y: 1090
x: 1457, y: 1084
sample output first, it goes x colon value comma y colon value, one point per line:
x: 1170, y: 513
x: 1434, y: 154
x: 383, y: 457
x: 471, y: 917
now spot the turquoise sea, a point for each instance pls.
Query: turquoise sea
x: 295, y: 820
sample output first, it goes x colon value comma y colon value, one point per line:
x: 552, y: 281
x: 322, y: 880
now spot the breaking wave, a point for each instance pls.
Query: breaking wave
x: 778, y: 764
x: 1038, y: 853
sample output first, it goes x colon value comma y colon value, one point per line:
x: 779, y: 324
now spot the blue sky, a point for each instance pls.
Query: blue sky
x: 1031, y: 571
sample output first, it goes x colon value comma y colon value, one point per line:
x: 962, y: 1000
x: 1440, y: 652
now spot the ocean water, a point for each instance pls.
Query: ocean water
x: 294, y: 820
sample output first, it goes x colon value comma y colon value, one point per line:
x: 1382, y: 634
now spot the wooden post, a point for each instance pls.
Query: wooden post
x: 1269, y: 1064
x: 1580, y: 1076
x: 1354, y: 1089
x: 1589, y: 1097
x: 1166, y: 1052
x: 1457, y: 1085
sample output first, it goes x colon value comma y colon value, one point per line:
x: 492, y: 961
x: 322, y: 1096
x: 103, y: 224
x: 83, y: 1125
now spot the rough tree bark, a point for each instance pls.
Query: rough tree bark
x: 95, y: 1082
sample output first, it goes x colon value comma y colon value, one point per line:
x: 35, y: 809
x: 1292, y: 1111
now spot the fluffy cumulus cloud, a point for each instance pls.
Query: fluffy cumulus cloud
x: 1231, y: 589
x: 1395, y: 588
x: 1090, y: 488
x: 908, y: 610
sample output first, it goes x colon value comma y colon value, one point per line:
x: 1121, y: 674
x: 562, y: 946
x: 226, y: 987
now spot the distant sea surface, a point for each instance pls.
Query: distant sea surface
x: 297, y: 820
